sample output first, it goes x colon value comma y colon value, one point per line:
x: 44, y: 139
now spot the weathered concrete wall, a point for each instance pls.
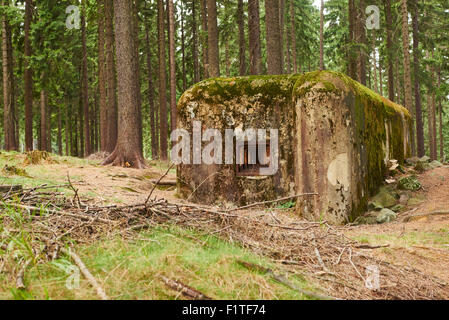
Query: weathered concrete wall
x: 345, y: 134
x: 244, y: 102
x: 335, y: 137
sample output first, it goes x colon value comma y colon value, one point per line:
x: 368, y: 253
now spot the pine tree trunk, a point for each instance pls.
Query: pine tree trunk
x: 28, y: 78
x: 8, y: 86
x: 440, y: 120
x: 418, y: 107
x: 381, y: 83
x: 43, y: 126
x: 162, y: 82
x: 153, y: 124
x: 102, y: 79
x: 293, y: 36
x: 361, y: 41
x: 213, y: 50
x: 281, y: 32
x: 433, y: 113
x: 322, y: 35
x: 136, y: 68
x: 85, y: 96
x: 255, y: 51
x: 196, y: 63
x: 242, y: 49
x: 110, y: 77
x: 60, y: 130
x: 352, y: 57
x: 273, y: 36
x: 173, y: 111
x: 287, y: 39
x: 183, y: 50
x: 205, y: 39
x: 67, y: 130
x: 127, y: 151
x: 407, y: 75
x: 389, y: 23
x: 376, y: 88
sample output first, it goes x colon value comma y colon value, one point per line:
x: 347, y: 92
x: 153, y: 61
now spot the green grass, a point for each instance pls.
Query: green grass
x: 37, y: 174
x: 133, y: 270
x: 436, y: 238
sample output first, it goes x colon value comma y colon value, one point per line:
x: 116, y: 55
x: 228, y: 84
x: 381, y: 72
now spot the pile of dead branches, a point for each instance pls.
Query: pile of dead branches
x: 314, y: 249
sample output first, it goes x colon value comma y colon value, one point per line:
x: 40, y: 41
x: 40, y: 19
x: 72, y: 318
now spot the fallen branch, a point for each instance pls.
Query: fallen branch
x: 272, y: 201
x: 155, y: 185
x: 86, y: 273
x: 433, y: 213
x: 184, y: 289
x: 367, y: 246
x: 283, y: 280
x: 20, y: 284
x: 65, y: 213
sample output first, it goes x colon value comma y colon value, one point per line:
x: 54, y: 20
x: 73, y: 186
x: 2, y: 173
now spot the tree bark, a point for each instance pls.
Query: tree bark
x: 9, y: 120
x: 322, y: 35
x: 376, y: 88
x: 440, y: 112
x: 110, y: 77
x: 242, y: 49
x: 255, y: 51
x: 196, y: 63
x: 43, y: 106
x: 361, y: 40
x: 389, y: 25
x: 127, y: 152
x: 293, y: 36
x: 28, y: 78
x: 173, y: 111
x: 162, y: 82
x: 153, y: 124
x: 102, y: 72
x: 273, y: 36
x: 85, y: 96
x: 183, y: 50
x: 213, y: 50
x: 59, y: 130
x: 407, y: 75
x: 418, y: 107
x: 205, y: 39
x: 281, y: 32
x: 352, y: 61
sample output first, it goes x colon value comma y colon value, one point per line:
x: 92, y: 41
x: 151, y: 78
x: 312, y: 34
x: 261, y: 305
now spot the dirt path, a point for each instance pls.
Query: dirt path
x: 422, y: 243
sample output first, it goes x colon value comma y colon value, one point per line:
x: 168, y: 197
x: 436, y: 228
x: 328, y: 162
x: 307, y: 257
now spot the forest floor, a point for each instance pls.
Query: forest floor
x: 135, y: 268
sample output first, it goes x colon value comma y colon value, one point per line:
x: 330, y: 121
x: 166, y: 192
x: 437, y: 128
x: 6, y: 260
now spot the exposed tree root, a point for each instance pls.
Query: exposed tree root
x: 125, y: 158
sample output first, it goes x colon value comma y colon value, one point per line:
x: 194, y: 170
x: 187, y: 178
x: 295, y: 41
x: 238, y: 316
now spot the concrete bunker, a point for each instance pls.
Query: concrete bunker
x: 334, y: 138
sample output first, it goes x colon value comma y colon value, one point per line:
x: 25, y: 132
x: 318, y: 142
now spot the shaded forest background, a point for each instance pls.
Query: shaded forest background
x: 61, y: 87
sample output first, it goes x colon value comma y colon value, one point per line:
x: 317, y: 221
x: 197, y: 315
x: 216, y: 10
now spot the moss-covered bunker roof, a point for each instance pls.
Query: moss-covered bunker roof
x: 218, y: 90
x: 331, y: 81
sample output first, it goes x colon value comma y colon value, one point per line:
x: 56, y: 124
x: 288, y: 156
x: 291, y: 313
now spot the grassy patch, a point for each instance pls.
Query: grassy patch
x: 436, y: 238
x: 132, y: 269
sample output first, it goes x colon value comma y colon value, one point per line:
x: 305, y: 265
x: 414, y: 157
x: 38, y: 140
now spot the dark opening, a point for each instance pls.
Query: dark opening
x: 250, y: 163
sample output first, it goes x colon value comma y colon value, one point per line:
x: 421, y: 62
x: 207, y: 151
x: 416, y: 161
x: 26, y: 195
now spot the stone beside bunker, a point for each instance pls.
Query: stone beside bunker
x: 335, y: 137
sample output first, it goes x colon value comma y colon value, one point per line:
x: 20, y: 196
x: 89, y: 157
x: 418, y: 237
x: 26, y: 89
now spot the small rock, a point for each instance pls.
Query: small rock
x: 374, y: 206
x: 397, y: 208
x: 435, y: 164
x: 412, y: 160
x: 403, y: 198
x: 424, y: 159
x: 414, y: 201
x: 409, y: 183
x: 385, y: 198
x: 386, y: 215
